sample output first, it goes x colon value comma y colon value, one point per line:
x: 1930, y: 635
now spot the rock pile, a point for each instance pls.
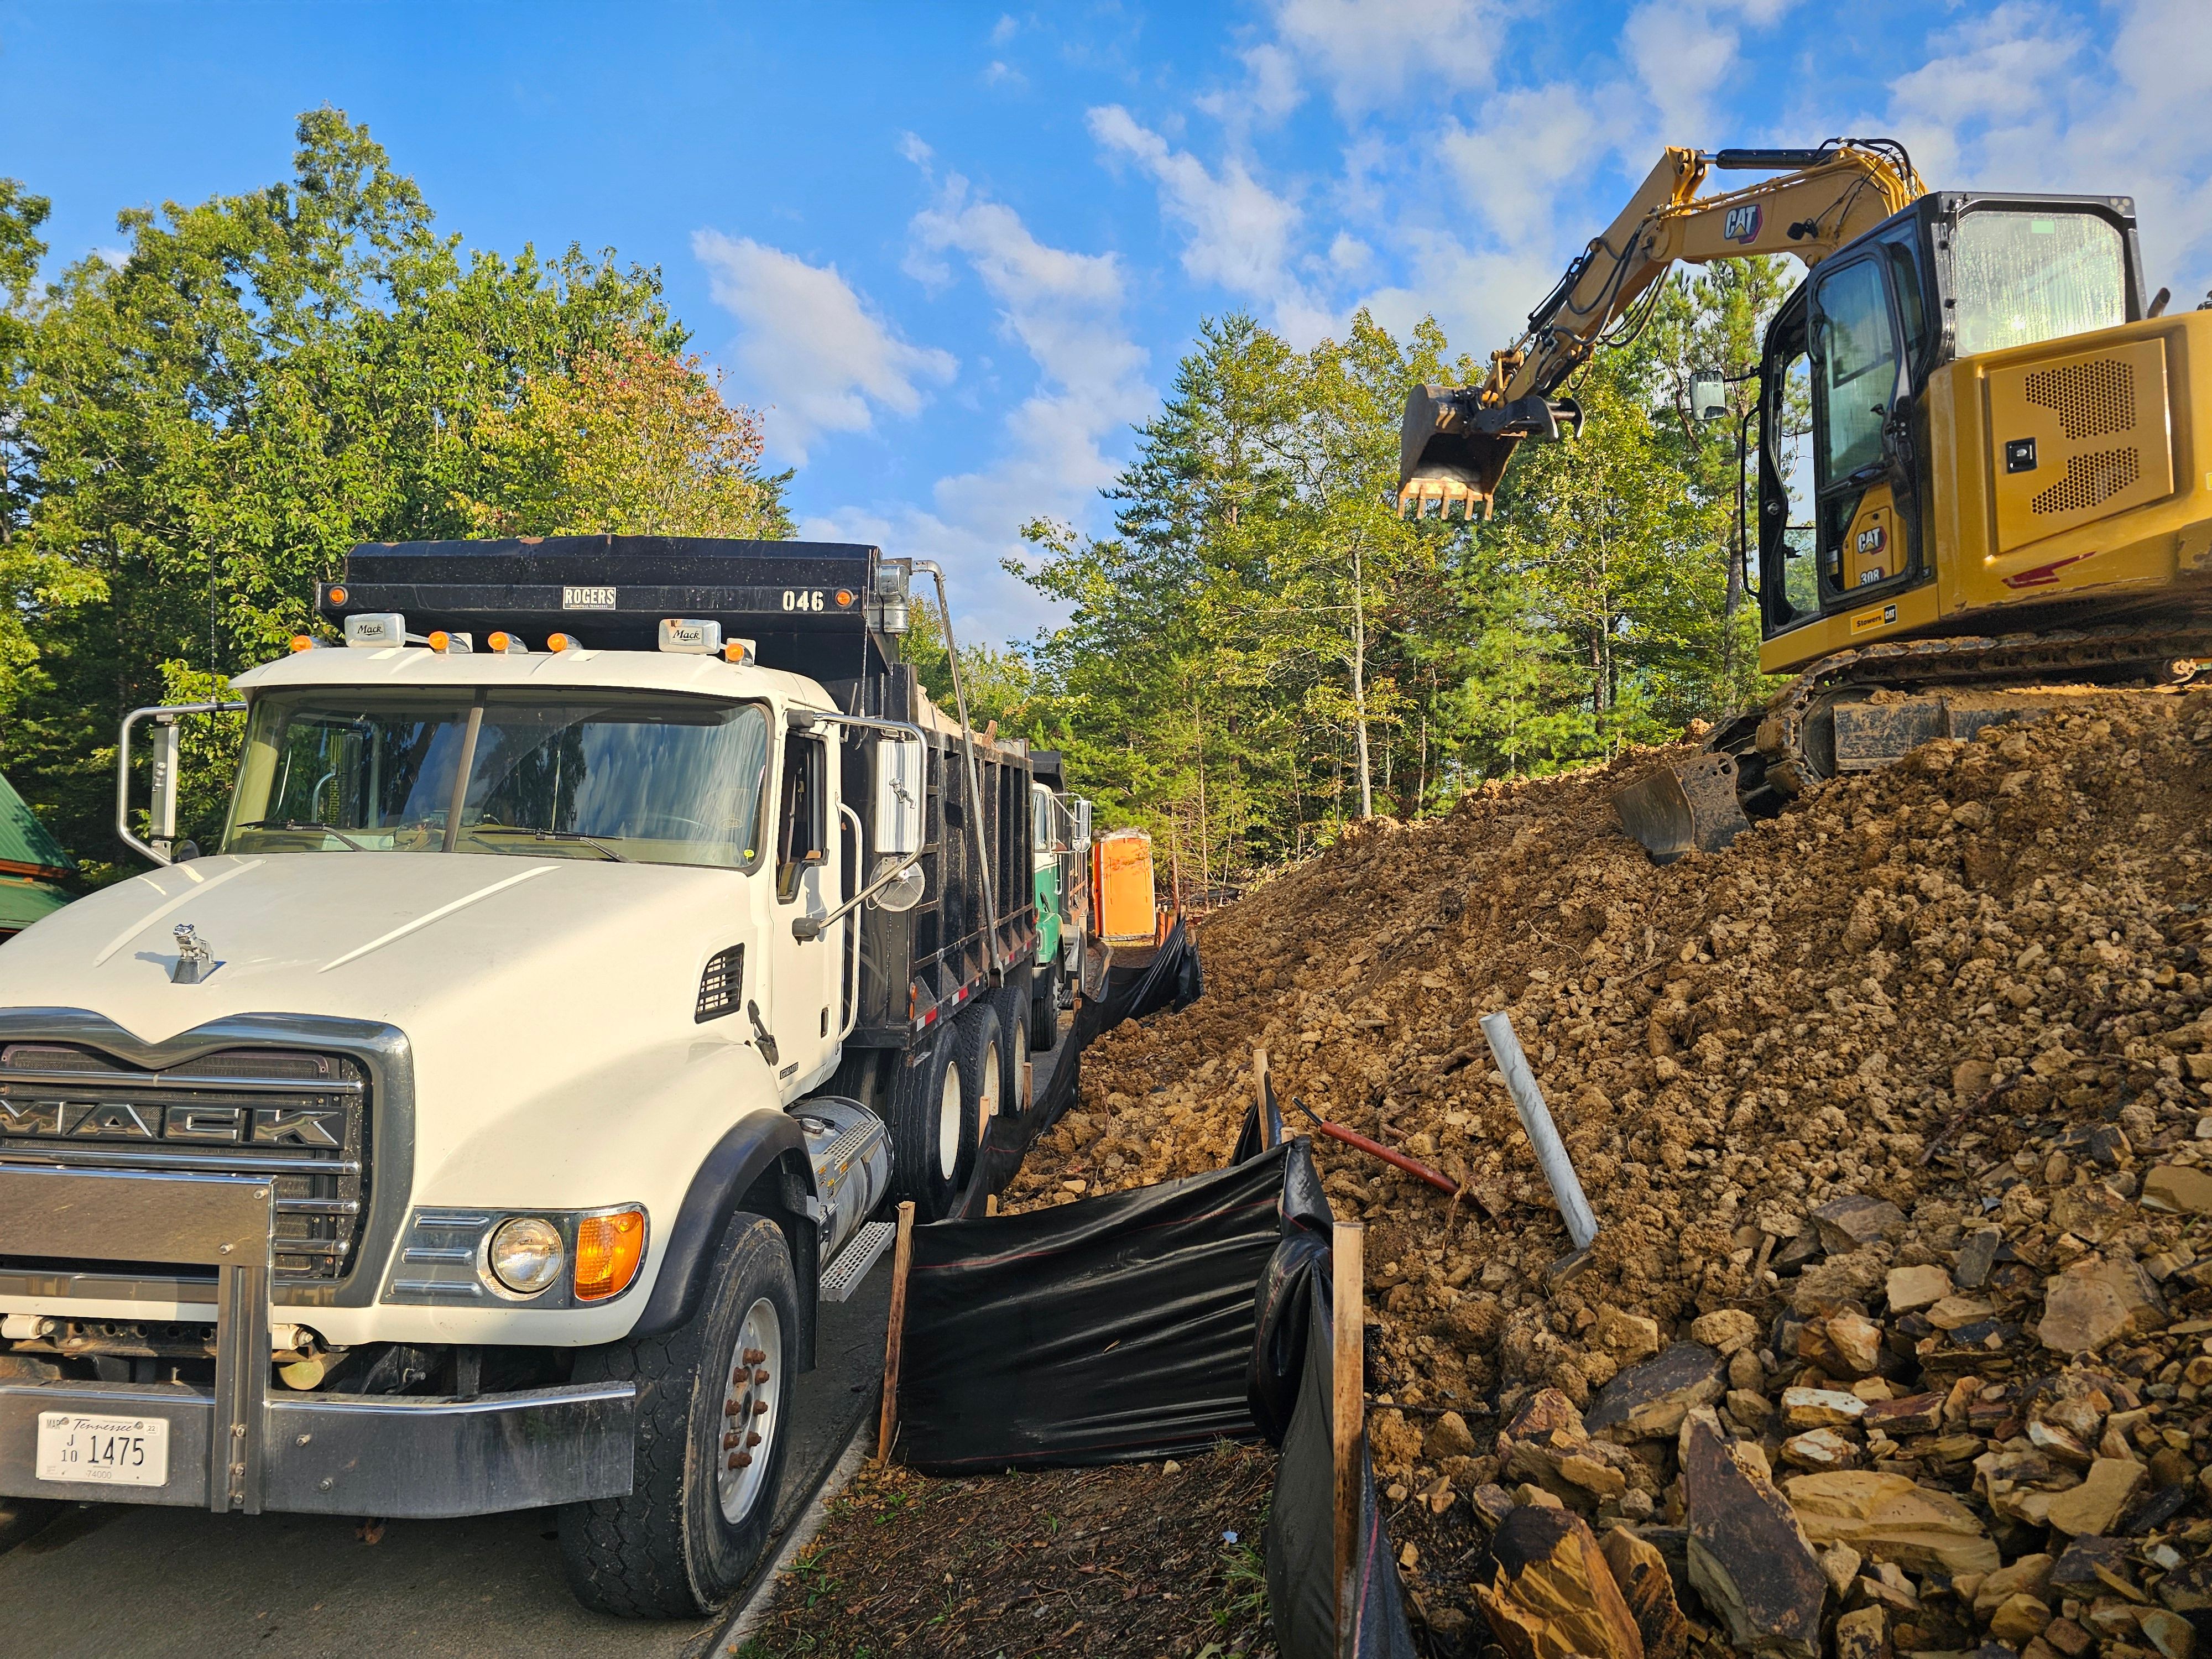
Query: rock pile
x: 1898, y: 1332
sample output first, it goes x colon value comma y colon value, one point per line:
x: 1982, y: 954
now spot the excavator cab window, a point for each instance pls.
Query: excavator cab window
x: 1856, y: 359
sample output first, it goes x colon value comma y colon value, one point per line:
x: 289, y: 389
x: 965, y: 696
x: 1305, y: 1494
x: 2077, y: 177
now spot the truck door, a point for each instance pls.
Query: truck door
x: 806, y: 979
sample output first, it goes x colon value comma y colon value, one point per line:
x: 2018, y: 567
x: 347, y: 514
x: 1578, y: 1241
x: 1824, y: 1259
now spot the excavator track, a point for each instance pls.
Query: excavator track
x: 1832, y: 719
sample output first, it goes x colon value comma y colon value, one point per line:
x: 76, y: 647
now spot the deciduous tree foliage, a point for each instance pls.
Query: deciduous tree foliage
x: 1264, y: 650
x: 195, y: 432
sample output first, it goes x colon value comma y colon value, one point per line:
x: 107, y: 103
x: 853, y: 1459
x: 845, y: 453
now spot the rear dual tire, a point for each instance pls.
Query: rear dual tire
x: 934, y: 1104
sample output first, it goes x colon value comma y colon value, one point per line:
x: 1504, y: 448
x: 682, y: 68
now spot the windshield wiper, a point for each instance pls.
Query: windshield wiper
x: 543, y: 835
x: 302, y: 824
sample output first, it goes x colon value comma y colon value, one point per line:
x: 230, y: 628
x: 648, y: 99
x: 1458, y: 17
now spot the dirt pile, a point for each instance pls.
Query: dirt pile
x: 1894, y: 1116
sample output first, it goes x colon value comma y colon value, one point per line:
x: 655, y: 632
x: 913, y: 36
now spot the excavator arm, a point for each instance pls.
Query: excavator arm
x: 1456, y: 442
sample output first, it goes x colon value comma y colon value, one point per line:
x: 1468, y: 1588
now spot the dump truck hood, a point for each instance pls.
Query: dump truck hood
x: 397, y: 937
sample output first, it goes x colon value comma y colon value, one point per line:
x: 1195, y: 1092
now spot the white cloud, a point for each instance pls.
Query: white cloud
x: 1064, y: 309
x: 2027, y: 97
x: 809, y: 348
x: 1526, y: 156
x: 1238, y: 233
x: 1372, y: 51
x: 1685, y: 51
x: 1270, y: 91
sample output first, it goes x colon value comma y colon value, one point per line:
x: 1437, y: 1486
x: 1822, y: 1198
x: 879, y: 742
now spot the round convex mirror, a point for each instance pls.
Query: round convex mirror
x: 903, y: 891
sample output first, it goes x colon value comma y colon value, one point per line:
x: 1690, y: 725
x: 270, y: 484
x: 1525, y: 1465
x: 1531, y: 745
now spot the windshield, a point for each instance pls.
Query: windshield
x: 2025, y: 278
x: 607, y: 776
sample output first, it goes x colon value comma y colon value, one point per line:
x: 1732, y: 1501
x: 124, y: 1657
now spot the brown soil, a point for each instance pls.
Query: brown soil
x: 1926, y: 984
x: 1132, y: 1560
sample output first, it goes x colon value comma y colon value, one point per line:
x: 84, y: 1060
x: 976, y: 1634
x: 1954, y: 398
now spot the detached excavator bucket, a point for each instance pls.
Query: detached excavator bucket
x: 1441, y: 460
x: 1689, y: 806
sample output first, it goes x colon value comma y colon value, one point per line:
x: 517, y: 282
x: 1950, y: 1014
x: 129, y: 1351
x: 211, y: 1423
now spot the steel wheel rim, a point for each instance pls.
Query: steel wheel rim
x: 994, y: 1073
x: 752, y: 1410
x: 948, y: 1123
x: 1021, y: 1060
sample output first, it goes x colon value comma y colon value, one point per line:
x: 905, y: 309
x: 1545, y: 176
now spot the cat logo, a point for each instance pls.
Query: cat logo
x: 1742, y: 223
x: 1867, y: 619
x: 1872, y: 539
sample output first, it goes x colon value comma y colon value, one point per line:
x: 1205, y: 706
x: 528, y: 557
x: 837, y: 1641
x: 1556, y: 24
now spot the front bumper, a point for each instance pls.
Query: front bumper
x: 235, y: 1447
x: 382, y: 1455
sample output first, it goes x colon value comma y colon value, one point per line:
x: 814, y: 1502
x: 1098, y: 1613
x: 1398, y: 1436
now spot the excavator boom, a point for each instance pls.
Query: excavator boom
x: 1455, y: 443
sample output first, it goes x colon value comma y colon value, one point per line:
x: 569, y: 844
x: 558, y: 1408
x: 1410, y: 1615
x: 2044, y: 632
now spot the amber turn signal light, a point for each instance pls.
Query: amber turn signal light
x: 440, y: 639
x: 560, y: 642
x: 338, y: 596
x: 302, y: 642
x: 609, y: 1249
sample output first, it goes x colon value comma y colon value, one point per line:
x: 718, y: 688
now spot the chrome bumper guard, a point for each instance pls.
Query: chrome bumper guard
x: 233, y: 1447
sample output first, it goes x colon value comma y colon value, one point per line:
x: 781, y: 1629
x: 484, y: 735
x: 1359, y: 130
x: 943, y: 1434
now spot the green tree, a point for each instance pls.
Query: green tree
x: 631, y: 440
x: 263, y: 381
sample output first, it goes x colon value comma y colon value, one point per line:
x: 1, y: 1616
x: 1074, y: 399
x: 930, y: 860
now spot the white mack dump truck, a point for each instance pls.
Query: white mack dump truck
x: 596, y: 940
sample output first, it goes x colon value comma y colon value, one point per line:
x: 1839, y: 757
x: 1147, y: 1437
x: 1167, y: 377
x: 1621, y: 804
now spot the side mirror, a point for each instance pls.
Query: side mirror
x: 1082, y: 822
x: 1707, y: 396
x: 162, y: 814
x: 898, y: 826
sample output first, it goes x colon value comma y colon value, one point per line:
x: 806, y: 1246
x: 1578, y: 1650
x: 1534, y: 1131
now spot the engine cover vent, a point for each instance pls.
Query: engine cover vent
x: 2076, y: 435
x: 2095, y: 400
x: 722, y: 986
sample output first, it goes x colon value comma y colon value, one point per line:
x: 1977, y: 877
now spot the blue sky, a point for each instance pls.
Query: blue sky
x: 955, y: 251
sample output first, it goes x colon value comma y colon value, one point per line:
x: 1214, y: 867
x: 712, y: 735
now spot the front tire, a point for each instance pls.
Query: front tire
x: 702, y: 1501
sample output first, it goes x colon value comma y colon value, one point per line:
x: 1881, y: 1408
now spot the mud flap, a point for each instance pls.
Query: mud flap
x: 1689, y: 806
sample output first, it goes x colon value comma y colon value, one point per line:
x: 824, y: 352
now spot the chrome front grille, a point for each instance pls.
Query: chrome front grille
x: 299, y: 1118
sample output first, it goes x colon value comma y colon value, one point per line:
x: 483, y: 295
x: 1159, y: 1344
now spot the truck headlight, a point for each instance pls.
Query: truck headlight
x: 523, y: 1256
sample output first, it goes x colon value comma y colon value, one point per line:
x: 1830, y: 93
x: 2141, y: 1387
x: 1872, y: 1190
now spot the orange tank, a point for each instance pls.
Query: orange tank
x: 1121, y: 884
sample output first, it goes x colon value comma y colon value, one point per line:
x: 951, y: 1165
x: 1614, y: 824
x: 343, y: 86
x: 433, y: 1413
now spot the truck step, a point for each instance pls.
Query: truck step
x: 842, y: 1276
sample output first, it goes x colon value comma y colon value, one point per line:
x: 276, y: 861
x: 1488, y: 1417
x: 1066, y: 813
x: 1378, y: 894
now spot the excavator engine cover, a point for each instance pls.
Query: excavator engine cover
x: 1687, y: 807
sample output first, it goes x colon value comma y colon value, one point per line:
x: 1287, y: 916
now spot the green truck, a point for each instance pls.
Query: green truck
x: 1059, y: 848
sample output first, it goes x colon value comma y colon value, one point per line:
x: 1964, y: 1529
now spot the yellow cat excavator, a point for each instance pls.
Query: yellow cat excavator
x: 1980, y: 471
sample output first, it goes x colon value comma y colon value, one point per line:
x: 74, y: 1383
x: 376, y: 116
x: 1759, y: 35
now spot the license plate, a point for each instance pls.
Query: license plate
x: 104, y: 1451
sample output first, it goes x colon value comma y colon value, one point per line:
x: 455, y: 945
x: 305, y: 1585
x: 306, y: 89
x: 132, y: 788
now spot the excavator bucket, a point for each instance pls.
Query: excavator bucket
x: 1441, y: 461
x: 1688, y: 807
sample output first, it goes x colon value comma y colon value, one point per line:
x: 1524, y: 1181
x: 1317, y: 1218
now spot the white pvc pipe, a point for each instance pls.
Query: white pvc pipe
x: 1543, y: 1134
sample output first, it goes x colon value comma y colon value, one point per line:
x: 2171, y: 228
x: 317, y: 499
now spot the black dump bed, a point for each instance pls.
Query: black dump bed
x: 795, y: 600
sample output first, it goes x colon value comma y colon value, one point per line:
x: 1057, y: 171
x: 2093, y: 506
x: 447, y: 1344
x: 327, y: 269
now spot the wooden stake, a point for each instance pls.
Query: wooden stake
x: 990, y: 1204
x: 1349, y: 1318
x: 902, y: 1260
x: 1029, y: 1087
x: 1260, y: 1095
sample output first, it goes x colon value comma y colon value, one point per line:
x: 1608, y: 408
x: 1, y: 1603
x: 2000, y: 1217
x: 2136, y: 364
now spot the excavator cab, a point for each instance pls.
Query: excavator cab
x: 1845, y: 449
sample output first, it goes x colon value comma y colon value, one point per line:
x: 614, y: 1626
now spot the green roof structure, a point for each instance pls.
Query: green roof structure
x: 25, y: 899
x: 28, y: 847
